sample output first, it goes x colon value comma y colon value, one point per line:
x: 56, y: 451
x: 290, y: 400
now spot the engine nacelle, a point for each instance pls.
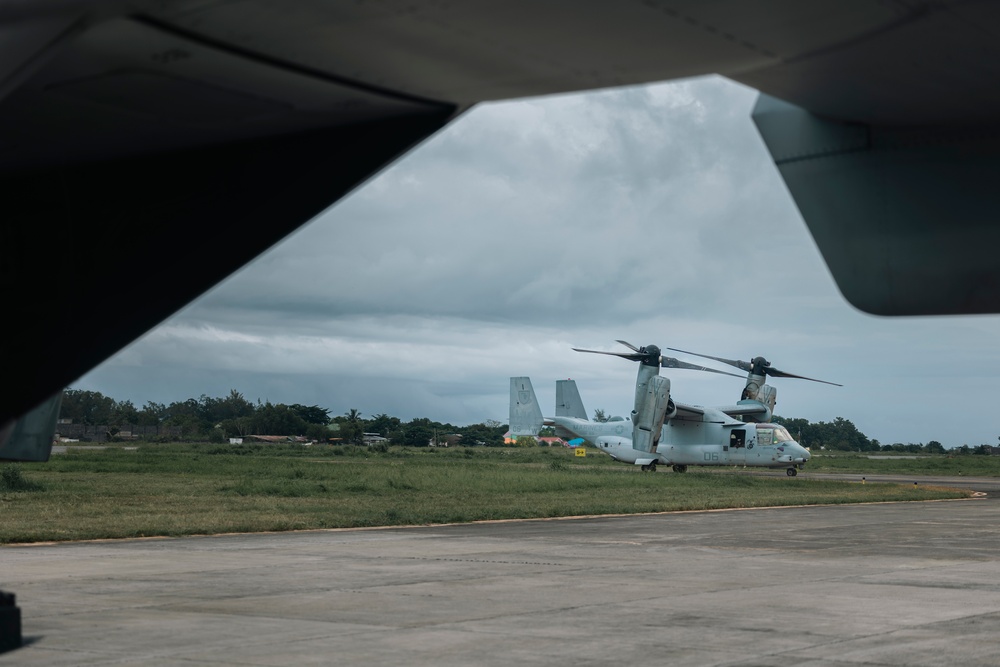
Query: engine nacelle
x: 650, y: 413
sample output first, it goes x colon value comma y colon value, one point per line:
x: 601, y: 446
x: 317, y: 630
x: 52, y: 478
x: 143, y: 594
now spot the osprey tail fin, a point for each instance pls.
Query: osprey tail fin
x: 568, y: 401
x: 525, y: 413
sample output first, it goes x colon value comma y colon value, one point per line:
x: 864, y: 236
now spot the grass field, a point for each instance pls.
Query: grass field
x: 187, y: 489
x: 905, y: 464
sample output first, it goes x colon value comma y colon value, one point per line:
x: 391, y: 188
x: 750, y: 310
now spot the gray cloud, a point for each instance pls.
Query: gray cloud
x: 652, y: 214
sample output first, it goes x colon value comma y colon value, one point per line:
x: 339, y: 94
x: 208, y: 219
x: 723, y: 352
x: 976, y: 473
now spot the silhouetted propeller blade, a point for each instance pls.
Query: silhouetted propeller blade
x: 670, y: 362
x: 782, y: 374
x: 623, y: 355
x: 748, y: 367
x: 742, y: 365
x: 651, y: 355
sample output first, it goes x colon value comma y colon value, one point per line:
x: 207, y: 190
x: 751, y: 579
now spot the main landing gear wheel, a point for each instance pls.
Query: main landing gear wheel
x: 791, y: 472
x: 680, y: 468
x: 649, y: 468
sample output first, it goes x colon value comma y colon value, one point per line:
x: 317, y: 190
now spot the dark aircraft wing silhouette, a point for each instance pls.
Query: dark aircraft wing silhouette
x: 150, y: 149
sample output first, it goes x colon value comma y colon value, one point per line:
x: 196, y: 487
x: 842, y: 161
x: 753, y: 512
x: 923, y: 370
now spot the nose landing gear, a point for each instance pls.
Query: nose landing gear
x: 791, y: 472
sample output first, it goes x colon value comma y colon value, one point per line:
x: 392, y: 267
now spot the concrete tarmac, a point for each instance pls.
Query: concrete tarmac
x: 889, y: 584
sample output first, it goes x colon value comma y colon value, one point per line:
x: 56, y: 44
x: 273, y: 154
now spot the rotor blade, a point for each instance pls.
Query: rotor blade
x: 628, y: 345
x: 670, y: 362
x: 742, y: 365
x: 623, y: 355
x: 782, y: 374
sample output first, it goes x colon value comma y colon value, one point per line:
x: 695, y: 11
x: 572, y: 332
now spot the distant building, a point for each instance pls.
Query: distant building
x: 66, y: 431
x: 543, y: 440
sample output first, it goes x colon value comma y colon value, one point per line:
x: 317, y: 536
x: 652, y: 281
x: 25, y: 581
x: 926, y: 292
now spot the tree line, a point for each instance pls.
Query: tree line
x: 842, y: 435
x: 216, y: 419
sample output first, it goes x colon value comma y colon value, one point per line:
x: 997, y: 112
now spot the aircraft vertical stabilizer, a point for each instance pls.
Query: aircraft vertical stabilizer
x: 568, y: 401
x: 525, y: 413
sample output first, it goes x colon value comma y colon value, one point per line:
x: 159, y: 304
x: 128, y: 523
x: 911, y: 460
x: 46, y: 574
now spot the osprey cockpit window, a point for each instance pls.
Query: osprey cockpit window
x: 772, y: 435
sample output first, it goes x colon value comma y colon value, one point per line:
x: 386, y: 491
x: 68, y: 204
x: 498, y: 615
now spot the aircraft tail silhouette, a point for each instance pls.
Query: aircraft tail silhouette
x: 568, y: 401
x: 525, y: 413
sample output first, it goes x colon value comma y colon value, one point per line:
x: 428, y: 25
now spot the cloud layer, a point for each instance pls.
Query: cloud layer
x: 652, y: 214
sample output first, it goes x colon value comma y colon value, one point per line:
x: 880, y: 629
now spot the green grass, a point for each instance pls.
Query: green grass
x: 942, y: 464
x: 206, y: 489
x: 12, y: 479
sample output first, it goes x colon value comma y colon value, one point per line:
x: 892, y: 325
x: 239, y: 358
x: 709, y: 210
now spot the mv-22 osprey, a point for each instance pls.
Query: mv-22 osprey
x: 667, y: 432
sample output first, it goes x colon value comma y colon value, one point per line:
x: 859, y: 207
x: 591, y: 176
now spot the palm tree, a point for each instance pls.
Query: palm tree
x: 355, y: 427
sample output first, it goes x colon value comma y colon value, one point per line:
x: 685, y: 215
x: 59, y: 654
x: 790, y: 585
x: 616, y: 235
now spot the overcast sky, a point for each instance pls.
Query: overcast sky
x: 652, y: 214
